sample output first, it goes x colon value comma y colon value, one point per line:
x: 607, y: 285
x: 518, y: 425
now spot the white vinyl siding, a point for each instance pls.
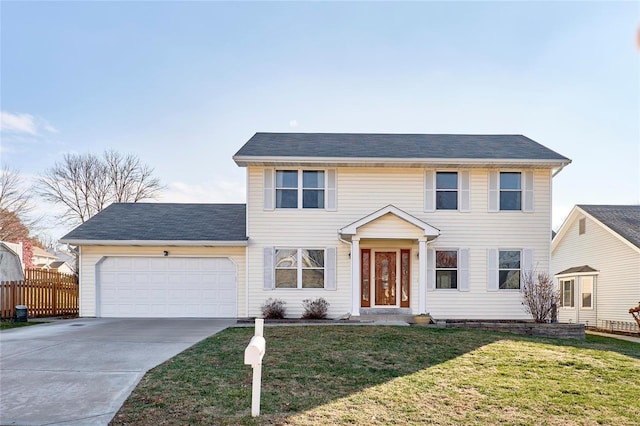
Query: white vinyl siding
x: 364, y: 190
x: 616, y: 286
x: 92, y: 255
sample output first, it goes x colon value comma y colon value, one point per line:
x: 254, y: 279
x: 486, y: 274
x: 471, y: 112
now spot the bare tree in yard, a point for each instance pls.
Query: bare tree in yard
x: 85, y: 184
x: 131, y: 181
x: 16, y: 206
x: 540, y: 296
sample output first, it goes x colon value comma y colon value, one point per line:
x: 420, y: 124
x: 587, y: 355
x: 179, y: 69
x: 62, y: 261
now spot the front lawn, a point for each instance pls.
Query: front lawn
x: 378, y: 375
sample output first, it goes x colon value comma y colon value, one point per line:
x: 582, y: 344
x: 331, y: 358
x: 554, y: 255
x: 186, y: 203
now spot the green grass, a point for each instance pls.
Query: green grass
x: 7, y: 324
x: 367, y: 375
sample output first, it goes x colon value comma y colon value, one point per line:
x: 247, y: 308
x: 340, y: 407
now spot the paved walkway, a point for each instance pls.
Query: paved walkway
x: 615, y: 336
x: 80, y: 372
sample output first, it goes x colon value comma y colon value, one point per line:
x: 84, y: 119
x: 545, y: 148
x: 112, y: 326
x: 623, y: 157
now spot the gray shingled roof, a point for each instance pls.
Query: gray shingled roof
x: 578, y: 269
x: 624, y: 220
x: 420, y: 146
x: 164, y: 222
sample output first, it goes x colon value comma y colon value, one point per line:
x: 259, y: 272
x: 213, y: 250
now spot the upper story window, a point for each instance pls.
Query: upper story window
x: 510, y: 191
x: 509, y: 269
x: 304, y: 188
x: 582, y: 226
x: 446, y: 191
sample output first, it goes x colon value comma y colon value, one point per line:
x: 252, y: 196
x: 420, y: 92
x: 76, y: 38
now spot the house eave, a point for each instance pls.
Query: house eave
x: 245, y: 161
x: 165, y: 243
x: 577, y: 274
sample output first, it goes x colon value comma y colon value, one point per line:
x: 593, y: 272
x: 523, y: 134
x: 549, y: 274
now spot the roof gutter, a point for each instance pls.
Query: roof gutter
x: 562, y: 166
x: 174, y: 243
x: 245, y: 160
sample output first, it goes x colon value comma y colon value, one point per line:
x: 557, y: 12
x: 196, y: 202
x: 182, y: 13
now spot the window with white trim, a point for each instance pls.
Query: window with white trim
x: 586, y: 295
x: 509, y: 269
x: 567, y: 296
x: 447, y: 269
x: 510, y: 191
x: 446, y: 190
x: 296, y: 188
x: 299, y: 268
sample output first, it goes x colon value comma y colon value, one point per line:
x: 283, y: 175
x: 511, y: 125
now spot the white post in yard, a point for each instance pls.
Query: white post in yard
x: 253, y: 355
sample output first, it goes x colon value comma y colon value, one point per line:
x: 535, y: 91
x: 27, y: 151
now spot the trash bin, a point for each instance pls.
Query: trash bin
x: 21, y: 313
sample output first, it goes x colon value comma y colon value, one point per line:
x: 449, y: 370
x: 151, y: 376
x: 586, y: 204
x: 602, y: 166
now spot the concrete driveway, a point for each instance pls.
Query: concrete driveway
x: 79, y: 372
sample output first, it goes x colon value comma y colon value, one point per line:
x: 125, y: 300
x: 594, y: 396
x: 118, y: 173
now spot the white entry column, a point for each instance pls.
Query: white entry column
x: 355, y: 277
x: 422, y: 287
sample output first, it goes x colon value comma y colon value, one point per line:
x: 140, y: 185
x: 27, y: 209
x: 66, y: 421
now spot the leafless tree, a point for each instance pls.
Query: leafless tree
x: 540, y: 296
x: 131, y: 181
x: 84, y: 184
x: 16, y: 205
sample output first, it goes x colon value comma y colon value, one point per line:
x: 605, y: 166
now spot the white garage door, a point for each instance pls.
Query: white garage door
x: 166, y: 287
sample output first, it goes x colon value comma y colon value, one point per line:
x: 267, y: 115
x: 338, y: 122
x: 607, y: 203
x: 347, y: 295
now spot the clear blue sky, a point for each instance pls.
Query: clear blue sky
x: 184, y: 84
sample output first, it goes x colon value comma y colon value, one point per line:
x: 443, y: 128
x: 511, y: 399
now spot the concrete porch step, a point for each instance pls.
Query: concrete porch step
x: 409, y: 319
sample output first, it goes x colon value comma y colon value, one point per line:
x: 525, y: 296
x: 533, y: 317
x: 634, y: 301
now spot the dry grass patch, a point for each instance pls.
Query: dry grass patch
x: 394, y: 375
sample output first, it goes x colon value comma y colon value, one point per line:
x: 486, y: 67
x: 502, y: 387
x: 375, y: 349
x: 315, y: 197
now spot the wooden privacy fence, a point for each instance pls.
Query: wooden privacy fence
x: 45, y: 293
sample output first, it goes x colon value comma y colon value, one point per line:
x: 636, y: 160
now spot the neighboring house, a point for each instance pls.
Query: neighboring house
x: 16, y: 248
x: 390, y: 223
x: 65, y: 254
x: 596, y: 262
x: 61, y: 266
x: 41, y: 258
x: 10, y: 262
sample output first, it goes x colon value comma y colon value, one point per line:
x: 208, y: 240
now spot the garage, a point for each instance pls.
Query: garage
x: 166, y: 287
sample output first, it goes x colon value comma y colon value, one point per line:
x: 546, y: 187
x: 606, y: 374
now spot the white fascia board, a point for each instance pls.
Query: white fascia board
x: 577, y: 274
x: 352, y: 228
x: 244, y: 161
x: 185, y: 243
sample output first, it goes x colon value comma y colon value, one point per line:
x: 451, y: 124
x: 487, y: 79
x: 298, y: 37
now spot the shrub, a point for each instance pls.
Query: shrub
x: 273, y: 309
x: 540, y: 296
x: 315, y: 309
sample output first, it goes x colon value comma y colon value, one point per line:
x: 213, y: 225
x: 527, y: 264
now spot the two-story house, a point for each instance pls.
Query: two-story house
x: 445, y: 224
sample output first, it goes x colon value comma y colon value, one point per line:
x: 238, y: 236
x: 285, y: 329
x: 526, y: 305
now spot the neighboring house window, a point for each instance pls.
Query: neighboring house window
x: 446, y: 191
x: 586, y: 300
x: 446, y: 269
x: 305, y: 188
x: 299, y: 268
x: 566, y: 300
x: 582, y: 226
x: 509, y: 269
x: 510, y: 191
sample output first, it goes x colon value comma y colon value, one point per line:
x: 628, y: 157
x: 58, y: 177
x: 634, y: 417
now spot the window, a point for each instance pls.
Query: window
x: 299, y: 268
x: 510, y: 191
x: 509, y: 269
x: 446, y: 269
x: 586, y: 299
x: 312, y: 189
x: 305, y: 188
x: 566, y: 300
x: 582, y: 226
x: 287, y: 189
x: 446, y: 190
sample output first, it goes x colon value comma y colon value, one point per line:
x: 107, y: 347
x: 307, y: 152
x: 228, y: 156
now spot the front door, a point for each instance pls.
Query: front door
x: 385, y: 278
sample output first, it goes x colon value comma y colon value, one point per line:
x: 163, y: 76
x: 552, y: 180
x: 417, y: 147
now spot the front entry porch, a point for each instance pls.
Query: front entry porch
x: 388, y: 262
